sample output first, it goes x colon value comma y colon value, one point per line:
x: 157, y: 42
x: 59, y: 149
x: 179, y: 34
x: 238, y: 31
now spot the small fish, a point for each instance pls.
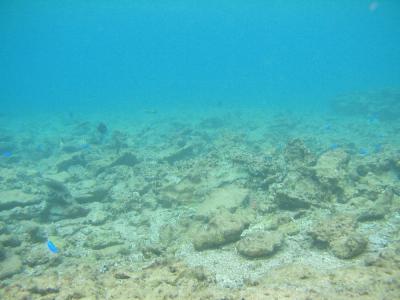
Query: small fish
x: 373, y: 119
x: 84, y: 146
x: 378, y: 148
x: 7, y: 154
x: 334, y: 146
x: 327, y: 126
x: 363, y: 151
x: 52, y: 247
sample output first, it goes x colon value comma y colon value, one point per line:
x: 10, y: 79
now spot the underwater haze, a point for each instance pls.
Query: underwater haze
x: 199, y: 149
x: 90, y: 53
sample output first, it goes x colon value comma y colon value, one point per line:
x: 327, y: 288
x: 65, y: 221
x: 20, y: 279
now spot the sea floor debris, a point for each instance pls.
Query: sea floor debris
x: 202, y: 207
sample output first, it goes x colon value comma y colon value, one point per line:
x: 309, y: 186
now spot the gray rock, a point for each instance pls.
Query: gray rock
x: 36, y: 233
x: 102, y: 239
x: 126, y: 159
x: 260, y: 244
x: 10, y: 199
x: 10, y: 266
x: 36, y: 257
x: 2, y: 252
x: 74, y: 160
x: 222, y: 229
x: 3, y: 227
x: 297, y: 192
x: 349, y: 246
x: 180, y: 154
x: 97, y: 217
x: 9, y: 240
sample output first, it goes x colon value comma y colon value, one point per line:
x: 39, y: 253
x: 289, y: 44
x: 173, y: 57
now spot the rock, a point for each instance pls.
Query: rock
x: 97, y: 217
x: 10, y: 266
x: 340, y: 235
x: 101, y: 239
x: 260, y: 244
x: 121, y: 276
x: 59, y: 194
x: 89, y: 191
x: 180, y: 154
x: 222, y: 229
x: 10, y: 199
x: 70, y: 161
x: 45, y: 291
x: 3, y: 227
x: 55, y: 213
x: 330, y: 166
x: 328, y: 230
x: 9, y: 240
x: 297, y: 154
x: 24, y: 213
x: 230, y: 197
x: 36, y: 233
x: 372, y: 213
x: 297, y: 192
x: 2, y: 252
x: 349, y: 246
x: 126, y: 159
x: 37, y: 256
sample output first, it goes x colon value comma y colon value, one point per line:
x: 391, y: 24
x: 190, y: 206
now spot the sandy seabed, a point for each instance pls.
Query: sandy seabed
x: 218, y: 204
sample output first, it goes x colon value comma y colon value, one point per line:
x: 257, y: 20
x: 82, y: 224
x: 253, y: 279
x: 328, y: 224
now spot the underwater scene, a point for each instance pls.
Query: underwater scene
x: 227, y: 150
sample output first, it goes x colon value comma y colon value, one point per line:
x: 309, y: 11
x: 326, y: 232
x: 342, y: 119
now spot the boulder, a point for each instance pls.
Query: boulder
x: 349, y: 246
x: 10, y: 266
x: 222, y: 229
x: 260, y: 244
x: 10, y: 199
x: 126, y: 159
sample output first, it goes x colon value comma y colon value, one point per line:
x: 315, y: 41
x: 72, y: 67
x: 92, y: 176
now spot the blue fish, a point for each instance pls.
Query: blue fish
x: 7, y: 154
x: 84, y: 146
x: 334, y: 146
x: 327, y: 126
x: 378, y: 148
x: 363, y: 151
x: 52, y: 247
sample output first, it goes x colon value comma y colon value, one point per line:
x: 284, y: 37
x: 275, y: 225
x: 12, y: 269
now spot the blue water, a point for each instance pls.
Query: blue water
x: 90, y: 55
x: 199, y: 149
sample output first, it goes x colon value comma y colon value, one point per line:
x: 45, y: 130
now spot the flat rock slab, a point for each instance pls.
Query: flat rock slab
x: 260, y: 244
x: 16, y: 198
x: 221, y: 230
x: 229, y: 197
x: 10, y: 266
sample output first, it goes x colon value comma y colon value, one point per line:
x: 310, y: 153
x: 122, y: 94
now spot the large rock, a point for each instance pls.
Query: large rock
x: 222, y: 229
x: 349, y: 246
x: 10, y: 266
x: 327, y: 230
x: 183, y: 153
x: 296, y: 154
x: 71, y: 160
x: 89, y: 191
x: 330, y: 167
x: 229, y: 197
x: 297, y: 192
x: 126, y: 159
x: 340, y: 236
x: 260, y: 244
x: 100, y: 239
x: 10, y: 199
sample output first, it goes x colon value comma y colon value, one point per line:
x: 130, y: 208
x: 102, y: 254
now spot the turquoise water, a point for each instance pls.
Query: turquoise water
x: 199, y: 149
x: 135, y: 53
